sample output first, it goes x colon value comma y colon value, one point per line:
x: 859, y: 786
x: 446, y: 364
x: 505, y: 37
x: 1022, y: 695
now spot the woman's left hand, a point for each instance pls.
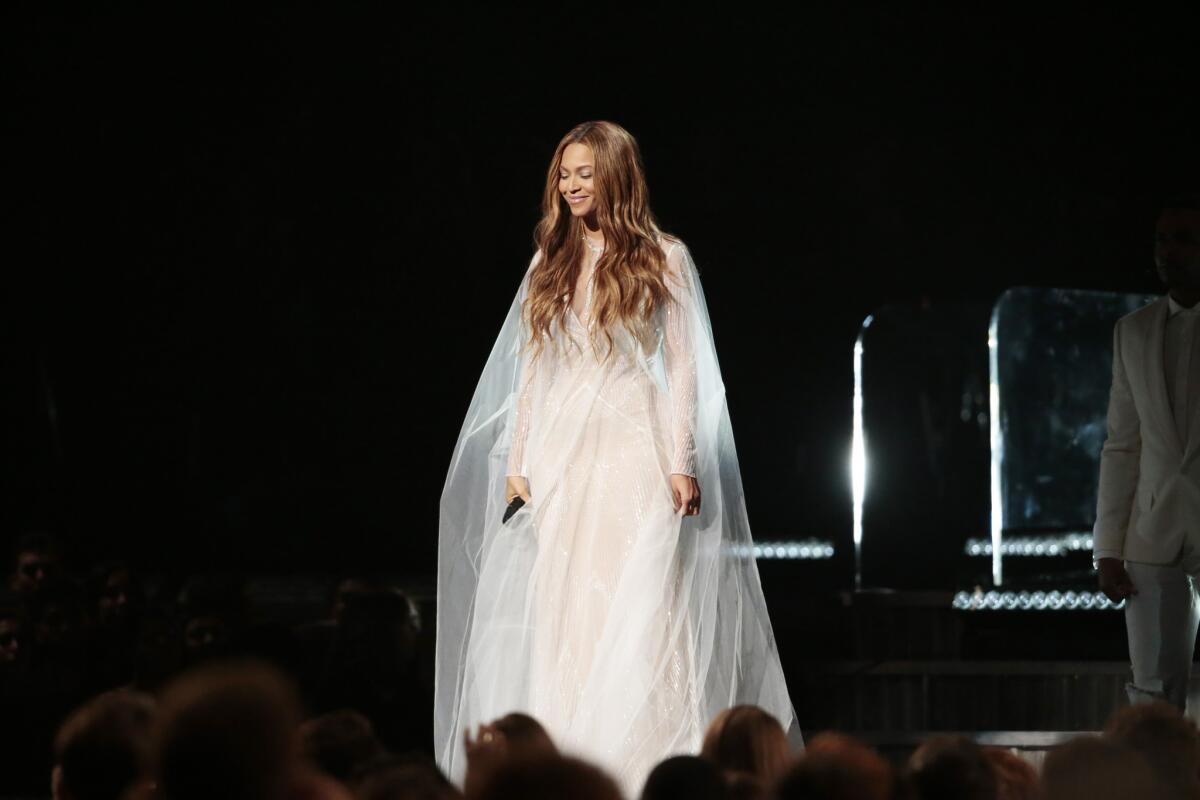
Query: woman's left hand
x: 686, y: 493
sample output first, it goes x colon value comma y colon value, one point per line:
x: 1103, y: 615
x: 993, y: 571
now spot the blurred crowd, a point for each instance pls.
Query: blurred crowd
x: 112, y: 691
x: 70, y: 631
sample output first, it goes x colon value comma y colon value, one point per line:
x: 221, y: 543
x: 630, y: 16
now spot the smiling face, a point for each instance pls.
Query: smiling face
x: 575, y: 179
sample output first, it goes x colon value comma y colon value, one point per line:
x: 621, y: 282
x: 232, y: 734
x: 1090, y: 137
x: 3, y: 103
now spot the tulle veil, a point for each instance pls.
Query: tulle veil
x: 482, y: 647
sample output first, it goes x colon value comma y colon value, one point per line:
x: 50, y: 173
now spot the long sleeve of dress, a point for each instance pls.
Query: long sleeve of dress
x: 517, y: 465
x: 679, y: 361
x: 516, y: 455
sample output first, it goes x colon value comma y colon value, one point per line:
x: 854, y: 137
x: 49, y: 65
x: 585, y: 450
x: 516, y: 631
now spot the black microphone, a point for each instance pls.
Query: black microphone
x: 516, y: 503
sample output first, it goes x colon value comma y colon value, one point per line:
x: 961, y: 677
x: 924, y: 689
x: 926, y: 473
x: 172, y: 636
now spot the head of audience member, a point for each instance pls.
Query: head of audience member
x: 360, y: 600
x: 951, y: 768
x: 227, y: 729
x: 345, y: 589
x: 58, y: 614
x: 747, y: 739
x: 838, y: 766
x: 1016, y: 779
x: 13, y: 630
x: 524, y: 736
x: 1164, y: 737
x: 310, y: 784
x: 512, y: 737
x: 339, y: 742
x: 549, y: 778
x: 102, y: 749
x: 210, y: 606
x: 118, y: 595
x: 375, y: 644
x: 1093, y: 768
x: 390, y: 777
x: 689, y: 777
x: 741, y: 786
x: 1177, y: 247
x: 157, y: 648
x: 36, y: 559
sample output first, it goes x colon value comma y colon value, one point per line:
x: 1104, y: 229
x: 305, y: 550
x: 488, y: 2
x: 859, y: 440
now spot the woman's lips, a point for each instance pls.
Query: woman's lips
x: 577, y: 200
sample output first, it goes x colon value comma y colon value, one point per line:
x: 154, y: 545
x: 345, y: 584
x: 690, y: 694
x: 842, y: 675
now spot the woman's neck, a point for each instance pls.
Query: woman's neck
x: 591, y: 229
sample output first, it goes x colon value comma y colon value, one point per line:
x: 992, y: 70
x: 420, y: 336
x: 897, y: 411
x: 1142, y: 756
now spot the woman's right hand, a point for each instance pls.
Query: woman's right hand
x: 516, y: 485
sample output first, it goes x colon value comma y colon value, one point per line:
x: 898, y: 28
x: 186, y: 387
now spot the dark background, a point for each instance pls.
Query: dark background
x: 257, y: 259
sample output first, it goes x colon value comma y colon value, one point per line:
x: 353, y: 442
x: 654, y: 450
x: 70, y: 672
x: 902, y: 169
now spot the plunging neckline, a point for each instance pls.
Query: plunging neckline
x: 575, y: 314
x: 587, y: 300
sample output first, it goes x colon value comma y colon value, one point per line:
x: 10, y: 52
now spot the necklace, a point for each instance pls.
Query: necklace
x: 590, y: 246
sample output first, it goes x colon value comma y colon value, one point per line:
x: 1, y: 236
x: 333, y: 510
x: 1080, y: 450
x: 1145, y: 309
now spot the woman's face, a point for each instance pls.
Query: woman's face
x: 575, y: 179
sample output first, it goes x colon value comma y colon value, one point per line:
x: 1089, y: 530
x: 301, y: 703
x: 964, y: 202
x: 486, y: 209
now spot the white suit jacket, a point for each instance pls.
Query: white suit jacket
x: 1148, y: 503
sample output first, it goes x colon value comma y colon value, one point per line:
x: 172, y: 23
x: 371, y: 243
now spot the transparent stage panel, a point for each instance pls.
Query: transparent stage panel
x: 1050, y: 353
x: 920, y: 456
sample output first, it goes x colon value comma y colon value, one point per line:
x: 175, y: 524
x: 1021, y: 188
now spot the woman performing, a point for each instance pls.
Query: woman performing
x: 613, y: 606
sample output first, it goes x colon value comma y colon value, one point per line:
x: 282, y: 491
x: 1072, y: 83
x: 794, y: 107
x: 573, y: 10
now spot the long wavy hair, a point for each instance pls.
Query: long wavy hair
x: 629, y: 277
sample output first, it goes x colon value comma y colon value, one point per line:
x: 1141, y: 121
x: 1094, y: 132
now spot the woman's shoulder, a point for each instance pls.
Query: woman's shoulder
x: 669, y: 241
x: 674, y: 249
x: 537, y: 256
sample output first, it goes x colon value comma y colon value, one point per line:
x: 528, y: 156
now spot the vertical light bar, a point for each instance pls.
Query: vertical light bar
x: 997, y: 447
x: 858, y: 456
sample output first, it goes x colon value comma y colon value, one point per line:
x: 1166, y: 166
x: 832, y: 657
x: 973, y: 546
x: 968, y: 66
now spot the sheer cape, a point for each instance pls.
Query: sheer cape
x: 685, y: 632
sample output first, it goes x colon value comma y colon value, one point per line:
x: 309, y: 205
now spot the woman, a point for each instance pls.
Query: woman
x: 614, y: 606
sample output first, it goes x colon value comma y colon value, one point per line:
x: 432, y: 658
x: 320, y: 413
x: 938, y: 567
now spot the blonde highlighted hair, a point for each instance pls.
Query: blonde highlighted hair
x: 629, y: 277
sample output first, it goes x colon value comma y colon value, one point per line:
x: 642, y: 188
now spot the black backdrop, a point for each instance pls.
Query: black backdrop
x: 257, y: 259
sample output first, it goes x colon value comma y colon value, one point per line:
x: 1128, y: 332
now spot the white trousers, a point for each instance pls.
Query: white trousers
x: 1161, y: 621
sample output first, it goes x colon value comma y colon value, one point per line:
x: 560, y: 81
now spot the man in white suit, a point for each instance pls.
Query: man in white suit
x: 1147, y: 534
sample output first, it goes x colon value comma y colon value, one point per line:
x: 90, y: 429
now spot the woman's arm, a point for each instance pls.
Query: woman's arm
x: 516, y: 455
x: 679, y: 359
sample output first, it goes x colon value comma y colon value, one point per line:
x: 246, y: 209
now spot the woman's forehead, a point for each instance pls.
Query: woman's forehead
x: 577, y: 155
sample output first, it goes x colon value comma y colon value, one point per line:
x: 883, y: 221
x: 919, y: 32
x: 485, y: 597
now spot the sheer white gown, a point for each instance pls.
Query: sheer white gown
x: 620, y: 624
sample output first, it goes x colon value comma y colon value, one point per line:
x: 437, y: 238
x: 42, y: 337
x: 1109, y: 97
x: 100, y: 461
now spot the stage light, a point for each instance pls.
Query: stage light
x: 1054, y: 600
x: 1050, y: 545
x: 805, y: 550
x: 858, y: 454
x: 997, y: 447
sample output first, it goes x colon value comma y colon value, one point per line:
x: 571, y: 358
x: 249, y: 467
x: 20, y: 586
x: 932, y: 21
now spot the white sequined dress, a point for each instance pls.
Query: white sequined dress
x: 620, y: 624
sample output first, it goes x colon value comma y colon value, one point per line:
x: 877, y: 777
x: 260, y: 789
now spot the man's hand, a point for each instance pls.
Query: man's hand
x: 1114, y: 580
